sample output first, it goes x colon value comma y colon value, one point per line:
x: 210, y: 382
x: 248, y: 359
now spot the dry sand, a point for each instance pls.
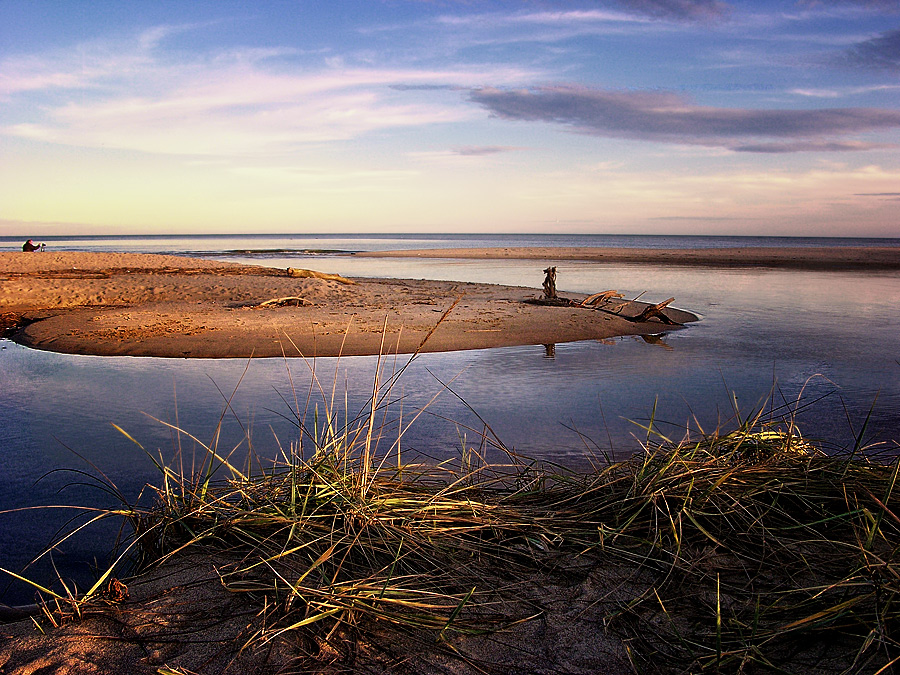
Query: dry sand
x: 151, y: 305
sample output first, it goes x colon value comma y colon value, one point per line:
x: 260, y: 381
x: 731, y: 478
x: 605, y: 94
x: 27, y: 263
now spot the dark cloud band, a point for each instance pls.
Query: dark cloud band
x: 668, y: 117
x: 880, y: 52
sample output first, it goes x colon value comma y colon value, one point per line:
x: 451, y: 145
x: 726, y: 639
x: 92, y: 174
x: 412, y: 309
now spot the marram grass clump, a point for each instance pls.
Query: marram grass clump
x: 347, y: 536
x: 766, y: 553
x: 753, y: 549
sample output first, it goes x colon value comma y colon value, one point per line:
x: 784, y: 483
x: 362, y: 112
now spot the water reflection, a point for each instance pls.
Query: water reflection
x: 657, y: 340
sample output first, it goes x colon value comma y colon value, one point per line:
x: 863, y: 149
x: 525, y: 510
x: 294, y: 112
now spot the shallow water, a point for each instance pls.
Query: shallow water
x: 830, y: 335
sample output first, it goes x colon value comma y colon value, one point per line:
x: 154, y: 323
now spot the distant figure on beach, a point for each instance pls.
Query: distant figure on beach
x: 550, y: 283
x: 30, y: 246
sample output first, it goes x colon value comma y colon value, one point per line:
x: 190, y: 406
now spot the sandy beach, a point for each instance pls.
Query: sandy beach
x: 172, y: 306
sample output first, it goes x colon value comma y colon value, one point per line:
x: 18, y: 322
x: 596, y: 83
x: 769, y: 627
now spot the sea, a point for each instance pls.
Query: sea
x: 819, y: 349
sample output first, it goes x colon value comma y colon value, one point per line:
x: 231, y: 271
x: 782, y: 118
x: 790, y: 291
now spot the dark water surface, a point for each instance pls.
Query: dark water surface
x: 833, y: 337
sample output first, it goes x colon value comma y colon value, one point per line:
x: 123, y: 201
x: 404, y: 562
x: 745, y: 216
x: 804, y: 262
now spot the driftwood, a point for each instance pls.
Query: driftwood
x: 115, y: 592
x: 312, y: 274
x: 550, y: 284
x: 655, y: 312
x: 552, y: 299
x: 289, y: 301
x: 597, y: 298
x: 10, y: 614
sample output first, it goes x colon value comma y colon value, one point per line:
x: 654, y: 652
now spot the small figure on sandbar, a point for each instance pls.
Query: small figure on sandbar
x: 30, y: 246
x: 550, y: 283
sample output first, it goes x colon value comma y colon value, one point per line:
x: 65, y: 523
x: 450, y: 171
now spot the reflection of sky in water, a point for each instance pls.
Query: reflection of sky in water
x: 760, y: 327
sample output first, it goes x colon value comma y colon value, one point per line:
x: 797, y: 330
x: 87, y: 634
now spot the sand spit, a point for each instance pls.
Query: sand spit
x: 153, y: 305
x: 845, y: 258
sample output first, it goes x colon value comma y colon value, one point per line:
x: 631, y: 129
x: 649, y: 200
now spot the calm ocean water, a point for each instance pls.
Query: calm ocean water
x: 830, y: 340
x: 267, y: 245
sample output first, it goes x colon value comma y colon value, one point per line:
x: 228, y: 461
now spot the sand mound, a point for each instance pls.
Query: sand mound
x: 150, y: 305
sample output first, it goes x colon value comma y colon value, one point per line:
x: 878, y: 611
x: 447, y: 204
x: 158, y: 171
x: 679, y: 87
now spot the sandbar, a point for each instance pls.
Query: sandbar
x: 173, y: 306
x: 794, y: 257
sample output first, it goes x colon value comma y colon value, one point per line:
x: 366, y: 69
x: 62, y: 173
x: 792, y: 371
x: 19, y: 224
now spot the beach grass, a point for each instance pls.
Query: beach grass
x: 747, y: 549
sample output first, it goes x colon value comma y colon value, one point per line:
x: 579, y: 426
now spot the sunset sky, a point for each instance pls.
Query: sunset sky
x: 613, y: 116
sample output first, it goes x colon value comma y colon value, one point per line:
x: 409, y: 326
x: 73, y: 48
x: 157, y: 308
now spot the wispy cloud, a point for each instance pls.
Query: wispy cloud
x: 88, y: 65
x: 622, y: 17
x: 840, y: 92
x: 465, y: 155
x: 681, y: 10
x: 214, y: 123
x: 542, y: 18
x: 232, y: 102
x: 811, y: 146
x: 423, y: 87
x: 482, y: 150
x: 670, y: 118
x: 881, y: 196
x: 816, y: 93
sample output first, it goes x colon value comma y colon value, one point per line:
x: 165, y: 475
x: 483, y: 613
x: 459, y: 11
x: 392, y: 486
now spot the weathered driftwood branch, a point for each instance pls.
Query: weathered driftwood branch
x: 597, y: 298
x: 10, y: 614
x: 312, y: 274
x: 655, y: 312
x: 115, y: 592
x: 550, y: 284
x: 289, y: 301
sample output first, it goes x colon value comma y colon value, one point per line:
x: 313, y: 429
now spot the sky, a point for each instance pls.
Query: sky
x: 743, y: 117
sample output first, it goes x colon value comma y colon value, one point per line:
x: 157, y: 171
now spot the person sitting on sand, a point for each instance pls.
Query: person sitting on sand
x: 29, y: 246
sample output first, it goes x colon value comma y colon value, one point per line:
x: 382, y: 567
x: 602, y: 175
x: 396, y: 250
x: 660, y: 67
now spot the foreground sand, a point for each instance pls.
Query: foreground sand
x: 180, y: 616
x: 152, y: 305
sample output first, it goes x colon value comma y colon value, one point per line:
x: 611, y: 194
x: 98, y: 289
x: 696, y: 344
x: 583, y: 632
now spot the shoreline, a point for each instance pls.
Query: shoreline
x: 814, y: 258
x: 116, y: 304
x: 137, y: 304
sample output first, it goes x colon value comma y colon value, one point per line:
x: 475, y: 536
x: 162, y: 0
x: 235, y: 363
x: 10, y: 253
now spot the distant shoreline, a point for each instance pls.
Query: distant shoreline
x: 819, y: 258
